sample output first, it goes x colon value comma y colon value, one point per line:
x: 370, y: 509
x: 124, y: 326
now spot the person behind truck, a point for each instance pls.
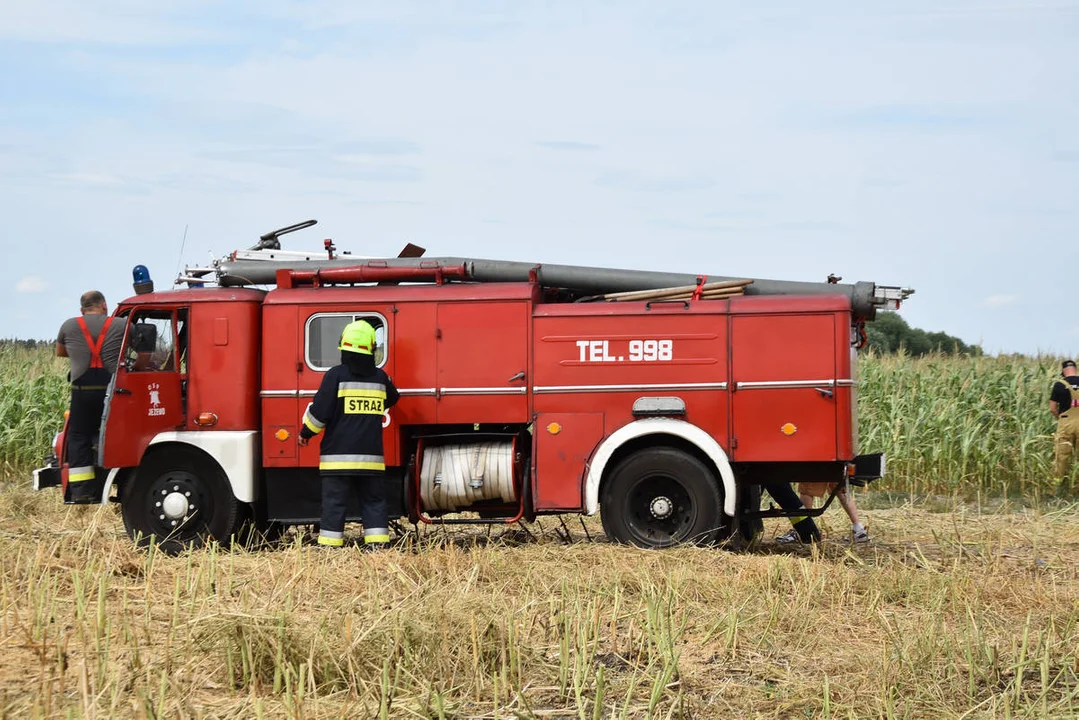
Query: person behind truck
x: 92, y: 342
x: 1064, y: 405
x: 349, y: 408
x: 803, y: 528
x: 809, y: 491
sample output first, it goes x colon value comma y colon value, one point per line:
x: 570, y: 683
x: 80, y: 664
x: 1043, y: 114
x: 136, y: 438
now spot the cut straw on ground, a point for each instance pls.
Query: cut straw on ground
x: 972, y: 612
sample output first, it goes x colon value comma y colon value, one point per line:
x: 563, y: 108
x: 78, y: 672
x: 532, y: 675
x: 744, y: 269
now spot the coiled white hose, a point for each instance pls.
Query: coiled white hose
x: 453, y: 477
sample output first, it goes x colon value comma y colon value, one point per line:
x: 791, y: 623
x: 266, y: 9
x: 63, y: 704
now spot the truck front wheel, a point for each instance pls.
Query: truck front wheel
x: 179, y: 499
x: 660, y: 497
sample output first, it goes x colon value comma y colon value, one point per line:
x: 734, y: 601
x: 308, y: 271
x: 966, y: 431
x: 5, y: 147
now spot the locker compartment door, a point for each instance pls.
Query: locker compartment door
x: 783, y: 380
x: 482, y: 362
x: 564, y: 442
x: 281, y: 406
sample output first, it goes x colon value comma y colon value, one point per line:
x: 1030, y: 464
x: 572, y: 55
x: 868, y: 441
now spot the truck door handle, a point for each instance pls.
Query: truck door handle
x: 122, y: 391
x: 518, y: 376
x: 825, y: 392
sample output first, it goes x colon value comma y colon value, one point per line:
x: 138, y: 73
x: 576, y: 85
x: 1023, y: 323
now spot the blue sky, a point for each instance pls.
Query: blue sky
x: 927, y: 144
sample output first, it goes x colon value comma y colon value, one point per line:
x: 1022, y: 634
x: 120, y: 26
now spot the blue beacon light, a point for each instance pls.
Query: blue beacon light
x: 141, y: 280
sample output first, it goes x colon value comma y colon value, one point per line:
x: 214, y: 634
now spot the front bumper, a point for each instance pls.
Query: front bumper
x: 47, y: 477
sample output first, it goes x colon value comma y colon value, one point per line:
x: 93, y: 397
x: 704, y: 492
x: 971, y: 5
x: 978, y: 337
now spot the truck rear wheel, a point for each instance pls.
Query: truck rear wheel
x: 179, y: 499
x: 660, y: 497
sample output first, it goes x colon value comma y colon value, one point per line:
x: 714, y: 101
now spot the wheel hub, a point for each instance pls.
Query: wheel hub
x: 175, y: 505
x: 661, y: 507
x: 175, y: 500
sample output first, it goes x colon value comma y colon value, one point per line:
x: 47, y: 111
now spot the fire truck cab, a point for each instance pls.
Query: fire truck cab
x: 667, y: 417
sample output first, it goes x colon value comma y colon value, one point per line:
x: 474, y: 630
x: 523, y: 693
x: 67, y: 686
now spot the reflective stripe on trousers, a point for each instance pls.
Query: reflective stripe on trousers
x: 81, y: 474
x: 333, y: 538
x: 376, y: 535
x: 351, y: 462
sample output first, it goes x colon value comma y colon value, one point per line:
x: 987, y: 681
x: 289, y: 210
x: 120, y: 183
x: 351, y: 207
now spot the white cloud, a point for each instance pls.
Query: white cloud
x: 31, y: 284
x: 999, y: 301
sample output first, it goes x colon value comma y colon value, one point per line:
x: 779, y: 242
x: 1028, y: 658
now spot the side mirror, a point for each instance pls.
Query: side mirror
x: 144, y: 337
x: 141, y: 344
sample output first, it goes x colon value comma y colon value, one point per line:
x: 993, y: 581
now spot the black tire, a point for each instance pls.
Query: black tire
x: 750, y: 530
x: 179, y: 499
x: 660, y: 497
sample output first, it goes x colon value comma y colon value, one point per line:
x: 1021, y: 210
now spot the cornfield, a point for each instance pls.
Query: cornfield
x: 33, y: 397
x: 947, y: 424
x: 959, y: 425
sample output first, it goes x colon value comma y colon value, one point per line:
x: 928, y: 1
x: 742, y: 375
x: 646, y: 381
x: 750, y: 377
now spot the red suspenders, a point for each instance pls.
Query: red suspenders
x: 95, y: 347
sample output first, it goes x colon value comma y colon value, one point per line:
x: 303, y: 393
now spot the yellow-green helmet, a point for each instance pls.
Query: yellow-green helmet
x: 358, y: 337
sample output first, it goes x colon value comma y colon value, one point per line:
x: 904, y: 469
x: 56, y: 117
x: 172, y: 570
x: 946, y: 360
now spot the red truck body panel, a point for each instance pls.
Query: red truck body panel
x: 769, y: 378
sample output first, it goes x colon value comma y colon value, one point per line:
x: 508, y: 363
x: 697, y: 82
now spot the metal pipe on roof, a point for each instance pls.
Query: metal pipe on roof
x: 865, y: 297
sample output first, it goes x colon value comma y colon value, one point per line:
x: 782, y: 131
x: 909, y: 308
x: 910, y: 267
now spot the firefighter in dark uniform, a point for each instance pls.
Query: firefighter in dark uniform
x: 92, y: 341
x: 349, y: 408
x: 1064, y: 405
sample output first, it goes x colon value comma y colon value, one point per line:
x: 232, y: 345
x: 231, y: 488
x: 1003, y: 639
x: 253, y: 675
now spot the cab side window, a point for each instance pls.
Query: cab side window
x: 322, y: 338
x: 181, y: 340
x: 151, y: 342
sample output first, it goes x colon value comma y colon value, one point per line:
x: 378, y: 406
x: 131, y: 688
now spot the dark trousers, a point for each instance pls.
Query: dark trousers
x: 371, y: 487
x: 83, y: 428
x: 784, y: 494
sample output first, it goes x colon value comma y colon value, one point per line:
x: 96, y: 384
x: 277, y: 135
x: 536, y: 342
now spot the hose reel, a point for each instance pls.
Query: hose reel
x: 457, y: 476
x: 479, y: 472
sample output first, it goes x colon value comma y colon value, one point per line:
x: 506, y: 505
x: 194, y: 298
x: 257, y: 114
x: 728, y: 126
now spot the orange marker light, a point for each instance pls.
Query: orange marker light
x: 206, y: 419
x: 281, y: 435
x: 788, y: 429
x: 554, y: 428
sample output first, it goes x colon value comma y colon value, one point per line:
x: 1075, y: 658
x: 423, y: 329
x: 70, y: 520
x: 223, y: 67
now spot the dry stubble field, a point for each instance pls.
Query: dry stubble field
x: 966, y: 605
x: 971, y: 612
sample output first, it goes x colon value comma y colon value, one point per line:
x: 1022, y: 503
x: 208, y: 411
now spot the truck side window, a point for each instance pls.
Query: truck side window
x: 150, y: 343
x: 322, y: 338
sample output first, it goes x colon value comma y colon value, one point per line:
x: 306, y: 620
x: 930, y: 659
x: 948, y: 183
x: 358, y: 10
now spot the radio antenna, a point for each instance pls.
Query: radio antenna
x: 181, y: 257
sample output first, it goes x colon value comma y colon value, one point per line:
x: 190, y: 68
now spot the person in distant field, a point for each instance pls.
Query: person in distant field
x: 349, y: 408
x: 803, y: 528
x: 92, y: 342
x: 1064, y: 405
x: 809, y: 491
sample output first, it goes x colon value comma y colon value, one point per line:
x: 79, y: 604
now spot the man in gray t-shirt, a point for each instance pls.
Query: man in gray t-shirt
x: 92, y: 341
x: 71, y: 339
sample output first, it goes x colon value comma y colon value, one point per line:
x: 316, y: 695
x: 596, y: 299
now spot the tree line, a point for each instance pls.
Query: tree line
x: 27, y: 344
x: 890, y: 334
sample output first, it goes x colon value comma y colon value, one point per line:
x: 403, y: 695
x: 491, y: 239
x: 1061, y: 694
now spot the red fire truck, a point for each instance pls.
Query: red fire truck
x: 526, y: 390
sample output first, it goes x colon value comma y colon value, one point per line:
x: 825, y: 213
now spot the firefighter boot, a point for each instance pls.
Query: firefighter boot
x: 804, y: 532
x: 807, y: 530
x: 84, y: 485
